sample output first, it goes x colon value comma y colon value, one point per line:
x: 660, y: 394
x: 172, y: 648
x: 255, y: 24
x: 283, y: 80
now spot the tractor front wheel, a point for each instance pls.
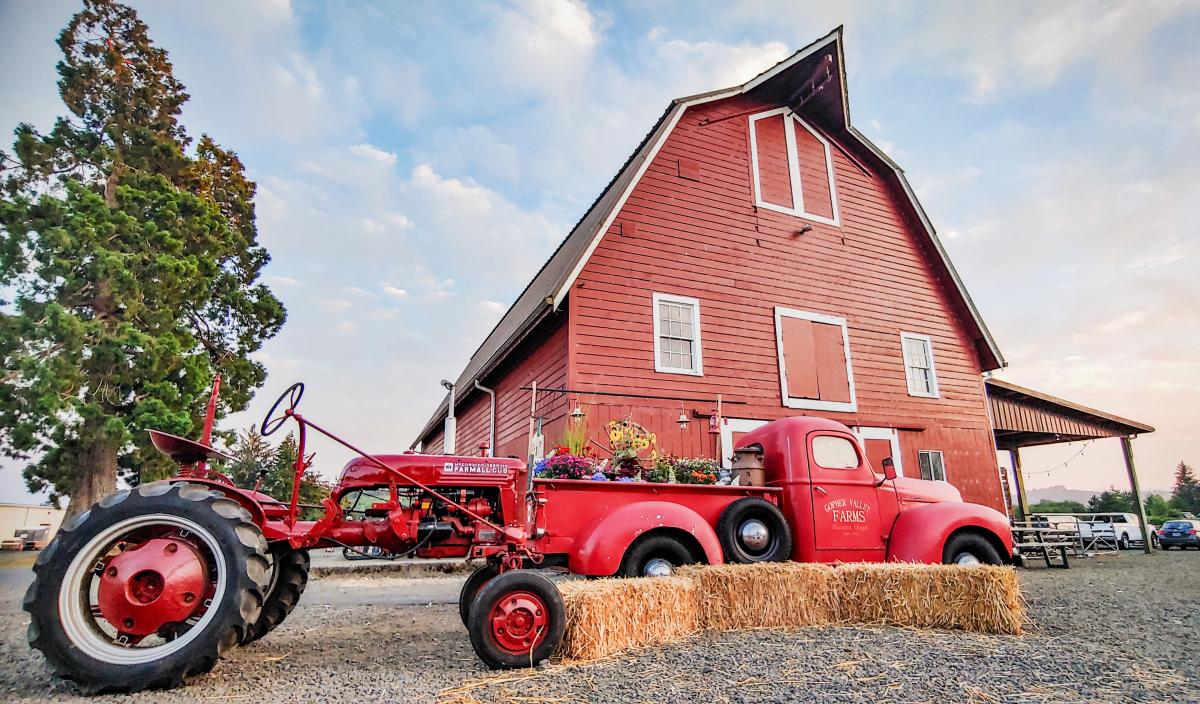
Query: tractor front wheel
x: 148, y: 588
x: 471, y: 588
x: 517, y: 620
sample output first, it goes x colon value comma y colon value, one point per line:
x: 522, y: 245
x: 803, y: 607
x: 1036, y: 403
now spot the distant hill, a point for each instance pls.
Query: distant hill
x: 1062, y: 493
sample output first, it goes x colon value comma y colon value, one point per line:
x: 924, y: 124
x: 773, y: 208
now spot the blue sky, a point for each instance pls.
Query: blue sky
x: 418, y: 162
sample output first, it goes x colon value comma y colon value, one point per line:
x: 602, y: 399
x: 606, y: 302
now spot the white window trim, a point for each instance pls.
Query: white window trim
x: 808, y: 403
x: 890, y: 434
x: 940, y: 454
x: 789, y: 133
x: 933, y: 385
x: 697, y: 347
x: 729, y: 426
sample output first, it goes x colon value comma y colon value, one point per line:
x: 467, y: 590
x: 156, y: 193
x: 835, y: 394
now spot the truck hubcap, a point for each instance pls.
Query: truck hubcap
x: 519, y: 621
x: 967, y: 559
x: 658, y: 567
x: 754, y: 535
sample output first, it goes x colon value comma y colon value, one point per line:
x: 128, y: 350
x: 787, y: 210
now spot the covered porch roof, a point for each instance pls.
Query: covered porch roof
x: 1023, y: 417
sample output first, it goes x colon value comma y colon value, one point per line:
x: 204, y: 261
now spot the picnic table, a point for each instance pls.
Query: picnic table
x: 1038, y: 538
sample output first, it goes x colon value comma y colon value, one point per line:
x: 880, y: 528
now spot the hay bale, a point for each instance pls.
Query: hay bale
x: 982, y: 599
x: 764, y: 595
x: 608, y: 616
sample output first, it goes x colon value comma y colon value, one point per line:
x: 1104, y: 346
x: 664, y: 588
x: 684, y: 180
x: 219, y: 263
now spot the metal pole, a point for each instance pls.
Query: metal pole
x: 1014, y: 454
x: 1127, y: 450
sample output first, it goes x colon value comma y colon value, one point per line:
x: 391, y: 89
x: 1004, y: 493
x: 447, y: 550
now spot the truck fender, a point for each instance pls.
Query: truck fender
x: 920, y: 533
x: 601, y: 545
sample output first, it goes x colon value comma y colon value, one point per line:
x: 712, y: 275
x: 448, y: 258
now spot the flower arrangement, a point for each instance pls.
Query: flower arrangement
x: 627, y: 440
x: 683, y: 470
x: 566, y: 466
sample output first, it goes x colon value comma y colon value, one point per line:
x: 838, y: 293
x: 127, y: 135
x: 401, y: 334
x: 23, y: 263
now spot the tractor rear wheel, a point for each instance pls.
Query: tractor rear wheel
x: 471, y: 588
x: 147, y: 588
x: 517, y: 620
x: 289, y: 576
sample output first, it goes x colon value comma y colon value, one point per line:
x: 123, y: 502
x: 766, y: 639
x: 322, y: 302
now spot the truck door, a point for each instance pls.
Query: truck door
x: 844, y: 503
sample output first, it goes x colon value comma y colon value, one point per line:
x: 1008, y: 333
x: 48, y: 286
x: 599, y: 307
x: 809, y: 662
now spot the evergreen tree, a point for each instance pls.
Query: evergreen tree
x: 253, y: 453
x: 1185, y: 496
x: 128, y: 269
x: 1112, y: 500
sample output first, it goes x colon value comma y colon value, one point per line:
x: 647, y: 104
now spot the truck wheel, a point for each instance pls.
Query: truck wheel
x: 289, y: 577
x: 471, y: 588
x: 754, y: 530
x: 148, y: 588
x: 970, y: 549
x: 517, y: 620
x: 654, y: 556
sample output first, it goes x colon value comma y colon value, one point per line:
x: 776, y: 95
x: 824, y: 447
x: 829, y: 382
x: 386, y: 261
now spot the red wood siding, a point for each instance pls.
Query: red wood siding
x: 830, y: 349
x: 799, y: 357
x: 543, y: 359
x: 705, y: 239
x: 774, y: 175
x: 814, y: 174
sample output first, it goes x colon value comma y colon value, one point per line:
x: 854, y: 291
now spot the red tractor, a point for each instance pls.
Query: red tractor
x: 152, y: 584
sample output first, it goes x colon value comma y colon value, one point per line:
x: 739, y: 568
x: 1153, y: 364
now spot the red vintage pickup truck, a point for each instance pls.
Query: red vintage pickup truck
x: 821, y: 502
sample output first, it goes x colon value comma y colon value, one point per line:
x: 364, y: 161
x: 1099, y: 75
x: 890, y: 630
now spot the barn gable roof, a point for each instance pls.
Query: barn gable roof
x: 791, y: 81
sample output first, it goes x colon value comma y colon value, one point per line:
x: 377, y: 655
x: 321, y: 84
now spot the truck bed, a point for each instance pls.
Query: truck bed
x: 572, y: 504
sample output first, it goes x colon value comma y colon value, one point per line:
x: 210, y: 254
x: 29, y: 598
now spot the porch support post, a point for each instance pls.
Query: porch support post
x: 1014, y: 454
x: 1127, y: 449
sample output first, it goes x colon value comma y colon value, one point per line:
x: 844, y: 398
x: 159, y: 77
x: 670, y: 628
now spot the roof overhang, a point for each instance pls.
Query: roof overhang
x: 1022, y: 417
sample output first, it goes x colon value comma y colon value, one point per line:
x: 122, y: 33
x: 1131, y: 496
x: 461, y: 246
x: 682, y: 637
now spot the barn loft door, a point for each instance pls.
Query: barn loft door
x: 814, y: 363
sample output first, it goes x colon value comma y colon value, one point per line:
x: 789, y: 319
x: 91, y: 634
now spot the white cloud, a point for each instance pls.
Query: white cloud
x: 395, y: 292
x: 371, y: 152
x: 281, y: 280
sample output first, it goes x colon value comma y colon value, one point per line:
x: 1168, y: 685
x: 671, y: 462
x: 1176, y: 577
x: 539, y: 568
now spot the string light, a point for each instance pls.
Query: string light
x: 1061, y: 465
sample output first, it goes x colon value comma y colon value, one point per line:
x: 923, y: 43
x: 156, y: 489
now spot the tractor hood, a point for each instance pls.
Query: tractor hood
x: 923, y: 491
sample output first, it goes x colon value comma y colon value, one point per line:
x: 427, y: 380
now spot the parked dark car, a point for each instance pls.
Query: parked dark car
x: 1182, y: 533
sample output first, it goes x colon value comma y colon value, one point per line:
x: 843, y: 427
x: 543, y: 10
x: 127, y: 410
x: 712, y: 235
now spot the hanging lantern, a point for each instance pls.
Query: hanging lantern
x: 683, y: 420
x: 577, y: 415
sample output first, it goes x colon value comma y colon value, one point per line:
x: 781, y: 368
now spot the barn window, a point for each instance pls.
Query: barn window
x: 918, y: 364
x: 814, y: 361
x: 933, y: 465
x: 793, y: 167
x: 677, y: 335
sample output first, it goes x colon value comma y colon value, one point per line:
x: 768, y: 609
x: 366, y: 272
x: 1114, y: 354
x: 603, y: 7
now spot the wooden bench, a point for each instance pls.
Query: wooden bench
x: 1045, y: 548
x: 1044, y: 540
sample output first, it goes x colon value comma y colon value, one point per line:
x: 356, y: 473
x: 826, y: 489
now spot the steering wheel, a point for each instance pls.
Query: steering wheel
x: 293, y: 394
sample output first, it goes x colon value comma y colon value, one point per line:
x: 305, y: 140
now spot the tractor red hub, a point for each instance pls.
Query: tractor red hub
x: 161, y: 581
x: 519, y: 621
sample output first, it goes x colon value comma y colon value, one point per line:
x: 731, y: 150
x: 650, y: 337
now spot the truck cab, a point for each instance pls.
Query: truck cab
x: 842, y: 509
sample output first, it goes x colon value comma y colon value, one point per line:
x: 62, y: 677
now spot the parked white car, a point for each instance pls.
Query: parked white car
x: 1121, y: 528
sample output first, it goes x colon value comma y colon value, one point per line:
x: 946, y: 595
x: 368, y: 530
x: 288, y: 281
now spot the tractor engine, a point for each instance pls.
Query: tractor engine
x: 409, y: 520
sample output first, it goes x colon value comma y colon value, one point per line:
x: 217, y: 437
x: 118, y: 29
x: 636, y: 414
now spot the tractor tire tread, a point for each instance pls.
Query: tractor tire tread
x: 294, y: 567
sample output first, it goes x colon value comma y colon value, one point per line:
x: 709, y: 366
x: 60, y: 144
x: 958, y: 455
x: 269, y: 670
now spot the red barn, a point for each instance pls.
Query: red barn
x: 756, y: 249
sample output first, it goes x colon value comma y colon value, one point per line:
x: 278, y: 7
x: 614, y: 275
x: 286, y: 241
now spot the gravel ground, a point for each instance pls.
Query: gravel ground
x: 1109, y: 629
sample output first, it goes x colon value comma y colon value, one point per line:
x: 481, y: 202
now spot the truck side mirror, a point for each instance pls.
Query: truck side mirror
x: 889, y: 468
